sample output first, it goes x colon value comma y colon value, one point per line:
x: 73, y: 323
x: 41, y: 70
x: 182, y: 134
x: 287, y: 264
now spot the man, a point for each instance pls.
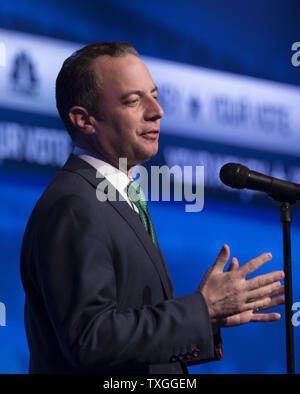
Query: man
x: 99, y: 298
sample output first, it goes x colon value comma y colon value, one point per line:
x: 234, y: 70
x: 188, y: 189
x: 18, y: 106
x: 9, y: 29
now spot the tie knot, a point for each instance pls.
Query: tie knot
x: 136, y: 194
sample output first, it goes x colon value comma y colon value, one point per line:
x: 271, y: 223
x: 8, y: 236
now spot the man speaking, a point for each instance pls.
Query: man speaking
x: 99, y: 297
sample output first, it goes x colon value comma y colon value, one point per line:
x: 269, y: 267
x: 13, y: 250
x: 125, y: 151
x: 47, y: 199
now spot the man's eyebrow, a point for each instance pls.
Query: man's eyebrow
x: 138, y: 92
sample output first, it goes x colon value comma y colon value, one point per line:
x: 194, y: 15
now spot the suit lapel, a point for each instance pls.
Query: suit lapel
x: 82, y: 168
x: 135, y: 223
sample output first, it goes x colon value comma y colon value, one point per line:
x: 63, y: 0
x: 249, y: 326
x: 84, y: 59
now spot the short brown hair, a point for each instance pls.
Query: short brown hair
x: 76, y: 83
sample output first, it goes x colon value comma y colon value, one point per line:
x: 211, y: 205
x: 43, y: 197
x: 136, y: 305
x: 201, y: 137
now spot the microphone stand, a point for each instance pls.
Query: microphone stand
x: 286, y: 219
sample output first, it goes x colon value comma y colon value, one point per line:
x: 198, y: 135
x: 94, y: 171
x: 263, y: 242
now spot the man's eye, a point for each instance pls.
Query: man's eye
x: 129, y: 102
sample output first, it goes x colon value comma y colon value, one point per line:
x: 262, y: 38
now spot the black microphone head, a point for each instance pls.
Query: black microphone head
x: 234, y: 175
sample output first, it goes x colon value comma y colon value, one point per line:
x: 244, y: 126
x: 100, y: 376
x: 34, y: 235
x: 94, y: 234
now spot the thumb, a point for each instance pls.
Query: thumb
x: 222, y: 258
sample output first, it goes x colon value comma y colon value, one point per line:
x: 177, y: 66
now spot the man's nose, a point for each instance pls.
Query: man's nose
x: 153, y: 110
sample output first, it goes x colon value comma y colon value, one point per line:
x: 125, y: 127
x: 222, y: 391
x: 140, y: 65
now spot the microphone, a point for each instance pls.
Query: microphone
x: 240, y: 177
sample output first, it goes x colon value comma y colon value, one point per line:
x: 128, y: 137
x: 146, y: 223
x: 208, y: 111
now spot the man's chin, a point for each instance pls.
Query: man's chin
x: 148, y: 155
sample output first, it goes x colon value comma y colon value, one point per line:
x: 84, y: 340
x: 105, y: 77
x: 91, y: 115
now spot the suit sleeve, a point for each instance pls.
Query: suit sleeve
x: 77, y: 279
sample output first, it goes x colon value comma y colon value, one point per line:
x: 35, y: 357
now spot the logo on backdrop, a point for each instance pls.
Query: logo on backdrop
x: 23, y: 77
x: 2, y: 54
x: 296, y: 56
x: 194, y: 107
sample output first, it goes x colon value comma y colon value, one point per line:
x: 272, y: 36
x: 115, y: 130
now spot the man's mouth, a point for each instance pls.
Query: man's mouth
x: 151, y: 134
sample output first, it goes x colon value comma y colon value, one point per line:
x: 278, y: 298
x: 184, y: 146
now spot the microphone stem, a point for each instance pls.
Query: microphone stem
x: 286, y: 218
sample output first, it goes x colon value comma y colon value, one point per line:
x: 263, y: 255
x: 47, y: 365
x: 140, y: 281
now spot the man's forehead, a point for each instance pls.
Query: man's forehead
x: 120, y: 69
x: 111, y: 64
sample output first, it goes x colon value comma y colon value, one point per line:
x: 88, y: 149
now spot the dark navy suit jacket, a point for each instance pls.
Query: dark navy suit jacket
x: 99, y: 297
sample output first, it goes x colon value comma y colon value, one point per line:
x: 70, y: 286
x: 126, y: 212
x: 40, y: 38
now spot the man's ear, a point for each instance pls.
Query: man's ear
x: 81, y: 119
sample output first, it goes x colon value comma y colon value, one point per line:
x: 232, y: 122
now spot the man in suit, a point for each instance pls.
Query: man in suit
x: 99, y: 297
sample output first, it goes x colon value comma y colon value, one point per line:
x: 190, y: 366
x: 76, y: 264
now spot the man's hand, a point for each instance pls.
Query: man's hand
x: 232, y: 299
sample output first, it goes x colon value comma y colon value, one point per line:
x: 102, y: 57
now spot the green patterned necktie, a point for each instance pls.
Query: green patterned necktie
x: 136, y: 195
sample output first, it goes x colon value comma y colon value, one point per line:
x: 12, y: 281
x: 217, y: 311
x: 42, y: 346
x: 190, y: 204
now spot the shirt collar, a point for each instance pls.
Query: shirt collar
x: 115, y: 176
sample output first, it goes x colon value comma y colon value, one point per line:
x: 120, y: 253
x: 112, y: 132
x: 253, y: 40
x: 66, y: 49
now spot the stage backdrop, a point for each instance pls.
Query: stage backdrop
x: 211, y: 118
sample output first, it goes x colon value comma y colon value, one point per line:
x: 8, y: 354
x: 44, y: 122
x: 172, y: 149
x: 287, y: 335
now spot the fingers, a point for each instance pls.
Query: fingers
x: 276, y: 301
x: 270, y: 290
x: 249, y: 315
x: 235, y: 320
x: 254, y: 264
x: 267, y: 302
x: 230, y: 295
x: 268, y: 317
x: 234, y: 265
x: 222, y: 258
x: 258, y: 305
x: 265, y: 317
x: 263, y: 280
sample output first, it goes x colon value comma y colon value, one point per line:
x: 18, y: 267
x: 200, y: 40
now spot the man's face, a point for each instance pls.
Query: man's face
x: 130, y: 123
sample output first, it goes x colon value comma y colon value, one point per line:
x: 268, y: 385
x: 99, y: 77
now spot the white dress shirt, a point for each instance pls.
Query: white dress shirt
x: 116, y: 177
